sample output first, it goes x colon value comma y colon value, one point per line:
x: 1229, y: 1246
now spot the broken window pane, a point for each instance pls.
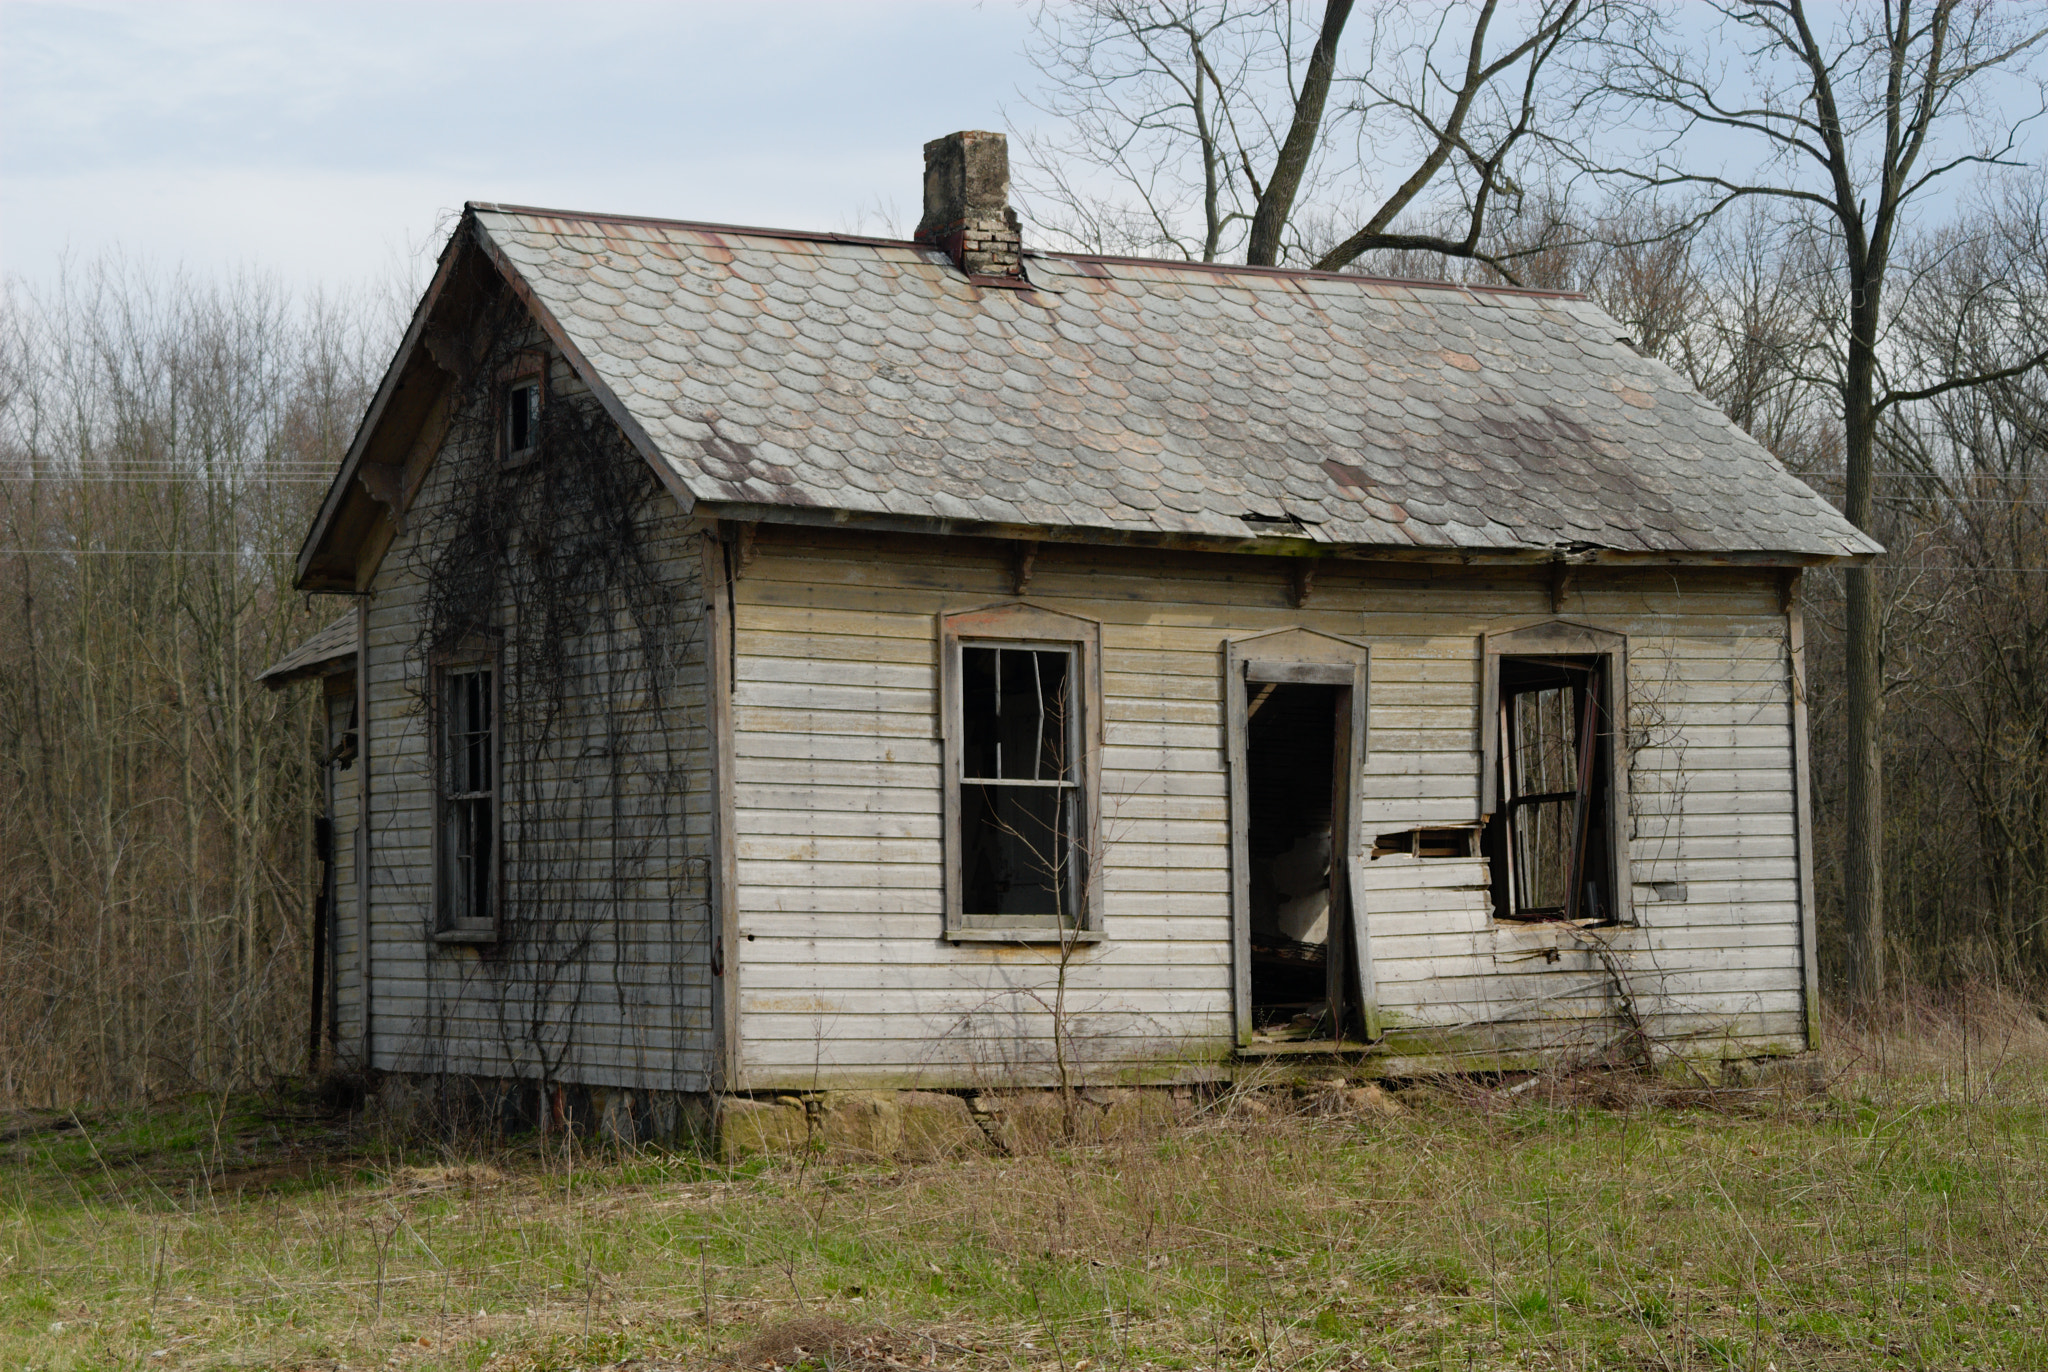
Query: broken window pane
x: 1018, y: 844
x: 522, y: 417
x: 1019, y: 773
x: 1014, y: 709
x: 1549, y: 838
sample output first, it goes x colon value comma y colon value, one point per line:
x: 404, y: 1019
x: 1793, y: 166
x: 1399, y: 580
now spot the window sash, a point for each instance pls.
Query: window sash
x: 1056, y: 793
x: 1547, y: 830
x: 467, y: 779
x: 1023, y: 861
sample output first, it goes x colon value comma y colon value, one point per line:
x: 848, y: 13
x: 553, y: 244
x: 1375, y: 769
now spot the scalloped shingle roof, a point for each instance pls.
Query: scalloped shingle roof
x: 1148, y: 398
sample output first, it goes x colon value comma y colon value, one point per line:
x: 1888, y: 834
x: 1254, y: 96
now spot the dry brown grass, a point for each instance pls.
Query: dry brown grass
x: 1581, y: 1219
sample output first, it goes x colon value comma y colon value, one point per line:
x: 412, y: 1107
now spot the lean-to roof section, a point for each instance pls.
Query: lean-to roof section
x: 332, y: 649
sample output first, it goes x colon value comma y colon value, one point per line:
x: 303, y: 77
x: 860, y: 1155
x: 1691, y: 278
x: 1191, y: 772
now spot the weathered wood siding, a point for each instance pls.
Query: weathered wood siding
x: 843, y: 977
x: 344, y: 790
x: 603, y: 976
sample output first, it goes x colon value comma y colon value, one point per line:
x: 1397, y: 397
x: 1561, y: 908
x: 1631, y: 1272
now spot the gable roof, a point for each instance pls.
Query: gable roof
x: 773, y: 375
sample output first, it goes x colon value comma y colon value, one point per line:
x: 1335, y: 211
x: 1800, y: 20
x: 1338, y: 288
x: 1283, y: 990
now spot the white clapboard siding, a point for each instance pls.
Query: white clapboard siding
x: 615, y: 990
x: 846, y: 979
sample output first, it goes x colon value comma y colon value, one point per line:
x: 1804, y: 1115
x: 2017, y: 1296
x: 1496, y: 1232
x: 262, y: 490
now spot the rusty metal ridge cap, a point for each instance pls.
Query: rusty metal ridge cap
x: 861, y: 240
x: 801, y: 516
x: 1311, y: 274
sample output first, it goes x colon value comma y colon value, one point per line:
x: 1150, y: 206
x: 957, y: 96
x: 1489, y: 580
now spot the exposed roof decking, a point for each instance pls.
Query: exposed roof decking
x: 1149, y: 399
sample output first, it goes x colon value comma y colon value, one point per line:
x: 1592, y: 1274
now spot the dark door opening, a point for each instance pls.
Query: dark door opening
x: 1294, y: 736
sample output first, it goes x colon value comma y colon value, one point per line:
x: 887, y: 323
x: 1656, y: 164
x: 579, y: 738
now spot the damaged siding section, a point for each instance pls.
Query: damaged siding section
x: 1713, y: 953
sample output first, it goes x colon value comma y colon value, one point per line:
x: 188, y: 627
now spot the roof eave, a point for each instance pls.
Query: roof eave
x: 1268, y: 545
x: 277, y: 679
x: 330, y: 507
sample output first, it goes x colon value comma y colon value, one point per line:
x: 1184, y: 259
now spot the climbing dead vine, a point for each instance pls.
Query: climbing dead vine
x: 555, y: 566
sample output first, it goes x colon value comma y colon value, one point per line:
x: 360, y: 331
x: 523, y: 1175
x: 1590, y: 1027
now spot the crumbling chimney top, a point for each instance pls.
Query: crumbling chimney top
x: 967, y: 204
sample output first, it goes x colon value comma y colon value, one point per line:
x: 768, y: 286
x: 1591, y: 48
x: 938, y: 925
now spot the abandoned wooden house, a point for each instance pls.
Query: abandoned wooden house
x: 789, y: 662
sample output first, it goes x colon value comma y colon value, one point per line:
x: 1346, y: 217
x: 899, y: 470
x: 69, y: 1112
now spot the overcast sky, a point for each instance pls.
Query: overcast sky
x: 328, y: 141
x: 325, y: 141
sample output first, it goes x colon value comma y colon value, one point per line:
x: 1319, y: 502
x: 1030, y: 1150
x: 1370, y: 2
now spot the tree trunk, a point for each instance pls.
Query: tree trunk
x: 1276, y: 206
x: 1863, y: 830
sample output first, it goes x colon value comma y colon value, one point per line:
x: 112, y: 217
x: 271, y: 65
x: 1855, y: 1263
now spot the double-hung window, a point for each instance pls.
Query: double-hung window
x: 466, y: 858
x: 1019, y: 701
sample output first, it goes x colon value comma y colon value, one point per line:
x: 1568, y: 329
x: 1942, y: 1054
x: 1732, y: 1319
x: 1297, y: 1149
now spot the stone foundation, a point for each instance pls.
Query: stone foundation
x: 899, y: 1126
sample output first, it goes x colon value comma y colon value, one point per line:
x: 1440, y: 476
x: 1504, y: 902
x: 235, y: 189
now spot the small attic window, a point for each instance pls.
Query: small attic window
x: 522, y: 391
x: 522, y: 418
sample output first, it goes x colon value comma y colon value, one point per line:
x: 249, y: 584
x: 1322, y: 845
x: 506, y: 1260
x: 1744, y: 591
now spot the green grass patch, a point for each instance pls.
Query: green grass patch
x: 1896, y: 1223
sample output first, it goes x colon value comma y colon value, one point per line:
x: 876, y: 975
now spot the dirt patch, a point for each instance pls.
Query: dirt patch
x: 829, y: 1345
x: 473, y: 1176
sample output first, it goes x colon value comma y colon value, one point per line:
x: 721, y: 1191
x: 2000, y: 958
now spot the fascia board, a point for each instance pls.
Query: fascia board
x: 330, y: 507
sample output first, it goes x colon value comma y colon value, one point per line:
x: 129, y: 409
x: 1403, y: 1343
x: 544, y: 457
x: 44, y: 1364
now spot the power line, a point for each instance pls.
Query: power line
x: 141, y: 552
x: 258, y: 479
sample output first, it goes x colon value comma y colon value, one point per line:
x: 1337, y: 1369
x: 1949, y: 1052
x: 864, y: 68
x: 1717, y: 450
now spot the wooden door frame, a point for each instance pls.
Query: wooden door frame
x: 1300, y: 657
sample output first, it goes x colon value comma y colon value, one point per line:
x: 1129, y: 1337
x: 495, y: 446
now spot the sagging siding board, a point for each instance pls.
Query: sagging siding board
x: 605, y: 835
x: 847, y: 981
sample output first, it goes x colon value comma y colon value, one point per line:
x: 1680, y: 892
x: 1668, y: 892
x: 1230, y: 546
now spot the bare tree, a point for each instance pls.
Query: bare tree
x: 1845, y: 131
x: 162, y: 442
x: 1204, y: 128
x: 1970, y: 491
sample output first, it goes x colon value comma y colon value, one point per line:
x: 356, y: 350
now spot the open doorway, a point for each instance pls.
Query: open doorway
x: 1293, y: 747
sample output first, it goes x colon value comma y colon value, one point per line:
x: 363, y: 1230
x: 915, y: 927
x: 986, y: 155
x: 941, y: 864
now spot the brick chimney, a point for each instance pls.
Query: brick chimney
x: 967, y: 204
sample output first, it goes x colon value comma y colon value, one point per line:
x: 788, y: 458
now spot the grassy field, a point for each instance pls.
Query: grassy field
x: 1898, y: 1220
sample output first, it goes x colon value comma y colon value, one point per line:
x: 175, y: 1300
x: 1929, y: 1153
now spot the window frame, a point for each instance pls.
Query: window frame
x: 1027, y: 627
x: 446, y: 667
x: 1563, y: 638
x: 525, y: 369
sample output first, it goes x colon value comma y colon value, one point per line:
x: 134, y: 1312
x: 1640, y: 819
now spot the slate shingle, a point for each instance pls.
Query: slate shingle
x: 1150, y: 397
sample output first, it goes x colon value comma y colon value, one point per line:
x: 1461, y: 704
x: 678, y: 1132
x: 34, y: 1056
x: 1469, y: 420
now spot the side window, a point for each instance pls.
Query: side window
x: 1556, y: 776
x: 1021, y: 799
x: 466, y: 798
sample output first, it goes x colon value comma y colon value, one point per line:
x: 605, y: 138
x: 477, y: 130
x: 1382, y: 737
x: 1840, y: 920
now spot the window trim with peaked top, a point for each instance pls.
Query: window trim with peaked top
x: 1021, y: 628
x: 450, y: 670
x: 1605, y: 765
